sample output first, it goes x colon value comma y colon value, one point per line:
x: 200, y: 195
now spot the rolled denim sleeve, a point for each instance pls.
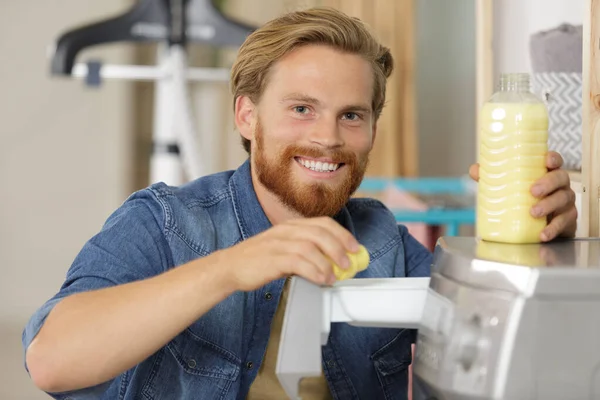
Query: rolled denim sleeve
x: 130, y: 246
x: 417, y: 257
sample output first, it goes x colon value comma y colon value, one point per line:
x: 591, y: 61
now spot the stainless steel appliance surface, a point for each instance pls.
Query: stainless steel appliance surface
x: 511, y: 322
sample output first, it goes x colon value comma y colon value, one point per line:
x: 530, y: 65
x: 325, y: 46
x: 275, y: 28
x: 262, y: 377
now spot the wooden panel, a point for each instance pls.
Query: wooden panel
x: 406, y: 87
x: 388, y: 151
x: 575, y: 177
x: 395, y: 152
x: 591, y: 120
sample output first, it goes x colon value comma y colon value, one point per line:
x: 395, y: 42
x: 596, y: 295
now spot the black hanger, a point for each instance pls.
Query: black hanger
x: 208, y: 25
x: 146, y: 21
x: 175, y: 21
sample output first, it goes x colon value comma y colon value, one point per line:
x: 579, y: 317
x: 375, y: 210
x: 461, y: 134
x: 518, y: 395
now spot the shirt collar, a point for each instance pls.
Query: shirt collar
x: 251, y: 218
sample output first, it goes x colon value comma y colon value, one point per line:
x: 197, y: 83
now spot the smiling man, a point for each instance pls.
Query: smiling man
x: 181, y: 294
x: 313, y: 129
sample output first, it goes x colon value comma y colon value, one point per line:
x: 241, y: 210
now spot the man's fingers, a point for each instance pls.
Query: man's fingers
x: 559, y: 200
x: 311, y: 252
x: 474, y: 172
x: 301, y: 266
x: 550, y: 183
x: 561, y: 224
x: 338, y: 231
x: 554, y: 160
x: 322, y: 239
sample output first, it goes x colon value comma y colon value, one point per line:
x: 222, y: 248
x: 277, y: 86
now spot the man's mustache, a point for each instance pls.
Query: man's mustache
x: 336, y: 155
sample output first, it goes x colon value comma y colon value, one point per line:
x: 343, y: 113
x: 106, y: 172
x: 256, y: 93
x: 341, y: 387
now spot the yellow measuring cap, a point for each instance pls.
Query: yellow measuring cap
x: 359, y: 261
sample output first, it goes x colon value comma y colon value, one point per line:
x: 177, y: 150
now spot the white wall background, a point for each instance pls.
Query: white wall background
x: 516, y: 20
x: 64, y: 165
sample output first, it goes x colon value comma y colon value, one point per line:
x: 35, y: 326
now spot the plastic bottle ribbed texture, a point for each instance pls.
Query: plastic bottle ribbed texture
x: 513, y: 148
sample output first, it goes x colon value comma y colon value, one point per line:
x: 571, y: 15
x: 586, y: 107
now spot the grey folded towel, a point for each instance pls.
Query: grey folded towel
x: 557, y: 49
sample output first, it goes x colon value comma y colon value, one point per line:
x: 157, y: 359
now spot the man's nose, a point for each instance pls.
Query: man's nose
x: 326, y: 133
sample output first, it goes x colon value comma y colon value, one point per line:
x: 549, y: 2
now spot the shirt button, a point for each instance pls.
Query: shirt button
x: 249, y: 365
x: 191, y: 363
x: 331, y: 363
x: 268, y: 296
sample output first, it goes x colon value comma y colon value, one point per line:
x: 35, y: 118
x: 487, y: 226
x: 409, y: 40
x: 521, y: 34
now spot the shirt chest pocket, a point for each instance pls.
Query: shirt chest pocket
x: 190, y: 365
x: 391, y: 364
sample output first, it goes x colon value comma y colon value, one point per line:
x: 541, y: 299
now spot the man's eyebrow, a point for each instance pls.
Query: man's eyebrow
x: 301, y: 97
x: 358, y: 107
x: 304, y: 98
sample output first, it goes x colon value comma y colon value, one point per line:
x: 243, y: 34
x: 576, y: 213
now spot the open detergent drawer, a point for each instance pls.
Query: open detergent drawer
x: 311, y: 309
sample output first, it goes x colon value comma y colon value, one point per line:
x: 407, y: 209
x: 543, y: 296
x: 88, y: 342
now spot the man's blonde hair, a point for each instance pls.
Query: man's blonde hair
x: 320, y: 25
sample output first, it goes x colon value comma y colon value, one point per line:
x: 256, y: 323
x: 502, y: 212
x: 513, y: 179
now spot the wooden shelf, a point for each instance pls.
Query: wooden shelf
x: 590, y: 177
x: 576, y: 179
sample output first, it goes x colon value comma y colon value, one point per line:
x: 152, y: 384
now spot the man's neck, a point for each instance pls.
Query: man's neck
x: 272, y: 206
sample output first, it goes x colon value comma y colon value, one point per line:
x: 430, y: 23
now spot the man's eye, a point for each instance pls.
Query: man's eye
x: 301, y: 109
x: 351, y: 116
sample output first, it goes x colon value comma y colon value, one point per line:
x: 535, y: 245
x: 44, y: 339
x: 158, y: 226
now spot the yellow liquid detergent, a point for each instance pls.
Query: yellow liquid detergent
x: 358, y: 262
x: 513, y: 147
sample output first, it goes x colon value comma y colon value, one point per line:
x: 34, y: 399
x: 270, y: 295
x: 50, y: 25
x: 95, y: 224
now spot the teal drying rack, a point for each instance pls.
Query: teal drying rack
x: 451, y: 201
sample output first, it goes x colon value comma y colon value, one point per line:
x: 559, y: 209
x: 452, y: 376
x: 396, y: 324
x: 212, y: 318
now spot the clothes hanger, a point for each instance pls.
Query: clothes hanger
x: 144, y: 22
x: 205, y: 23
x: 174, y: 21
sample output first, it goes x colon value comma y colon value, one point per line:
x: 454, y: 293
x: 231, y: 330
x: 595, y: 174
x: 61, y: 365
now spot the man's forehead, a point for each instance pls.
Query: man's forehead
x: 314, y: 63
x: 320, y: 75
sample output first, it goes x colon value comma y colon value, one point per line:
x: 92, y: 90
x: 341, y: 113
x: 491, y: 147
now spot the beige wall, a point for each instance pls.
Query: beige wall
x: 64, y: 165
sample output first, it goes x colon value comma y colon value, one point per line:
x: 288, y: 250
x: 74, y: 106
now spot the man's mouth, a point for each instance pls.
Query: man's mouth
x: 318, y: 166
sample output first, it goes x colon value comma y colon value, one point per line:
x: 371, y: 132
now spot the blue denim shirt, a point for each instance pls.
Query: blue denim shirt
x: 218, y: 357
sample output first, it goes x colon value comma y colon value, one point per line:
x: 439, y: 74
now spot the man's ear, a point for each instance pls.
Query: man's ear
x: 245, y: 116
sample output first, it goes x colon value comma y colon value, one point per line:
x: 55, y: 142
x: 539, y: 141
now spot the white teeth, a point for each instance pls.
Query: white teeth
x: 319, y: 166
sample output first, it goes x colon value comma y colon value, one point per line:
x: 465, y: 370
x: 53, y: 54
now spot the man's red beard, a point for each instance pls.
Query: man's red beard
x: 310, y: 200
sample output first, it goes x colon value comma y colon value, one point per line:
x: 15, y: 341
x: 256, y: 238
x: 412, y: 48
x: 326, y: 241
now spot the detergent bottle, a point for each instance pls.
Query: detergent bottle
x: 512, y: 151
